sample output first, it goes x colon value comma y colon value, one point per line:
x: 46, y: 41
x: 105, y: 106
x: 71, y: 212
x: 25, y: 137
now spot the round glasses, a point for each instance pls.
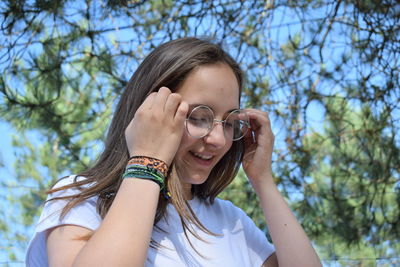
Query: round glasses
x: 200, y: 123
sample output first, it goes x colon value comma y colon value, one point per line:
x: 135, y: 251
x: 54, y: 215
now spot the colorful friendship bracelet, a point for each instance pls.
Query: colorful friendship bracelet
x: 143, y: 167
x: 154, y: 163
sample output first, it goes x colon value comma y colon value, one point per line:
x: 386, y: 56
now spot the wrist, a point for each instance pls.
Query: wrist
x: 149, y: 168
x: 263, y: 182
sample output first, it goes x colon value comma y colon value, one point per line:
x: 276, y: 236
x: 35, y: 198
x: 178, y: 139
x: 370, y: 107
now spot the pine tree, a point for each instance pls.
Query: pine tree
x: 327, y: 72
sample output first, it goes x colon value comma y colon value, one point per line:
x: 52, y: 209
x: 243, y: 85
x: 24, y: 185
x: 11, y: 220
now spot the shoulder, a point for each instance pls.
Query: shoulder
x: 66, y: 189
x: 83, y: 214
x: 221, y: 213
x: 58, y: 200
x: 230, y: 214
x: 68, y: 180
x: 227, y: 207
x: 224, y: 203
x: 258, y: 246
x: 69, y: 189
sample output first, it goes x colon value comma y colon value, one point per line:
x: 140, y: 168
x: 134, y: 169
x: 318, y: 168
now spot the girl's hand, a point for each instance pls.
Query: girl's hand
x: 157, y: 127
x: 259, y: 143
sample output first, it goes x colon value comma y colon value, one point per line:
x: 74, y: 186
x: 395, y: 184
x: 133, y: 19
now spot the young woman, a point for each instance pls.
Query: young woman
x: 176, y: 141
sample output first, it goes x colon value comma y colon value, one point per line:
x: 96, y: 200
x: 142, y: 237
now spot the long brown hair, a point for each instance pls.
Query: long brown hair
x: 168, y: 65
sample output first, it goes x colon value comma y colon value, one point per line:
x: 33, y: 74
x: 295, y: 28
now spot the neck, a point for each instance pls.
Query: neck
x: 187, y: 191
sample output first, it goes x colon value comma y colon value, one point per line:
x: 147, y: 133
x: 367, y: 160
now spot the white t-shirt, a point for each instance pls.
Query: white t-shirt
x: 239, y: 241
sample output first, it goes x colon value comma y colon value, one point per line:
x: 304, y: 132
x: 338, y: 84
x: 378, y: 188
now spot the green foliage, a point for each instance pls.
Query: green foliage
x: 353, y: 179
x: 325, y: 71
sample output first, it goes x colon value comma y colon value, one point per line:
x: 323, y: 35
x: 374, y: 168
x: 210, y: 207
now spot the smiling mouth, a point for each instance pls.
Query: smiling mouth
x: 201, y: 156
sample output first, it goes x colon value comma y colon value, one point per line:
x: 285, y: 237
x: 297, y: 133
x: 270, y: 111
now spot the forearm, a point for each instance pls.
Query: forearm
x: 124, y: 235
x: 293, y: 248
x: 123, y: 238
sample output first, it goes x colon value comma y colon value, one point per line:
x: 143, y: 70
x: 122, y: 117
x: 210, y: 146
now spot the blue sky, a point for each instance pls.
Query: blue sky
x: 6, y: 173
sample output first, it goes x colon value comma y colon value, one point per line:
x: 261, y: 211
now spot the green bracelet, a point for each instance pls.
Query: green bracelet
x: 146, y: 172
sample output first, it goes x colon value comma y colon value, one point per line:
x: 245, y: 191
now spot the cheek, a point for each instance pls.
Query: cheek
x: 186, y: 142
x: 228, y: 146
x: 225, y: 150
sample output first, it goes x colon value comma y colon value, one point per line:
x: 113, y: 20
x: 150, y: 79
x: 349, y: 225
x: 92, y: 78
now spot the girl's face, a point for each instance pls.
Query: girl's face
x: 215, y: 86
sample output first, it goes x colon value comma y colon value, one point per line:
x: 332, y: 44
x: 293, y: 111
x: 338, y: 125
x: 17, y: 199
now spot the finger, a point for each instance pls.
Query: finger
x: 172, y: 103
x: 161, y: 98
x: 261, y: 126
x: 259, y: 121
x: 182, y: 111
x: 250, y: 144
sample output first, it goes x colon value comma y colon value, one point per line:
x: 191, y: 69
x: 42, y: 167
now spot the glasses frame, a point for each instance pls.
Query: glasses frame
x: 223, y: 122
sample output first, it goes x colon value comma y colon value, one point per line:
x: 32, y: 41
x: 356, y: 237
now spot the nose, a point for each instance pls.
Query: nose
x: 216, y: 137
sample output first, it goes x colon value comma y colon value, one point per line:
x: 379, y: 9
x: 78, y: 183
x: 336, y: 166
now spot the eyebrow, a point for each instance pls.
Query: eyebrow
x: 192, y: 106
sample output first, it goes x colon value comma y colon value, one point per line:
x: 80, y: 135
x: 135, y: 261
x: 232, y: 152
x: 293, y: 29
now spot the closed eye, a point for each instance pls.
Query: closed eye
x: 197, y: 120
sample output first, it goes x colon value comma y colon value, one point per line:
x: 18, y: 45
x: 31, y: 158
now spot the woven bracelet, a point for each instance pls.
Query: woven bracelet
x: 150, y: 162
x: 140, y: 174
x: 143, y: 174
x: 140, y: 170
x: 143, y: 168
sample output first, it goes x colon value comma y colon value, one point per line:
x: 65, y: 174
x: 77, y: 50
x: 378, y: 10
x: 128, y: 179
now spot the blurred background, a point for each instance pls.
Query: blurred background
x: 327, y: 72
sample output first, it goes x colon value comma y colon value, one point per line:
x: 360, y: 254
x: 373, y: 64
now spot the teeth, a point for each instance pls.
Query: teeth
x: 202, y: 156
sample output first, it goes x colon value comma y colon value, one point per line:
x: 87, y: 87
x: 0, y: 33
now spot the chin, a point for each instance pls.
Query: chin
x: 189, y: 175
x: 195, y: 179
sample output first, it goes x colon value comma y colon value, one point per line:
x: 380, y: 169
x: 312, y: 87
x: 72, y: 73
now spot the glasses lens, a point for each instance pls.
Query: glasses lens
x: 236, y: 125
x: 199, y: 121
